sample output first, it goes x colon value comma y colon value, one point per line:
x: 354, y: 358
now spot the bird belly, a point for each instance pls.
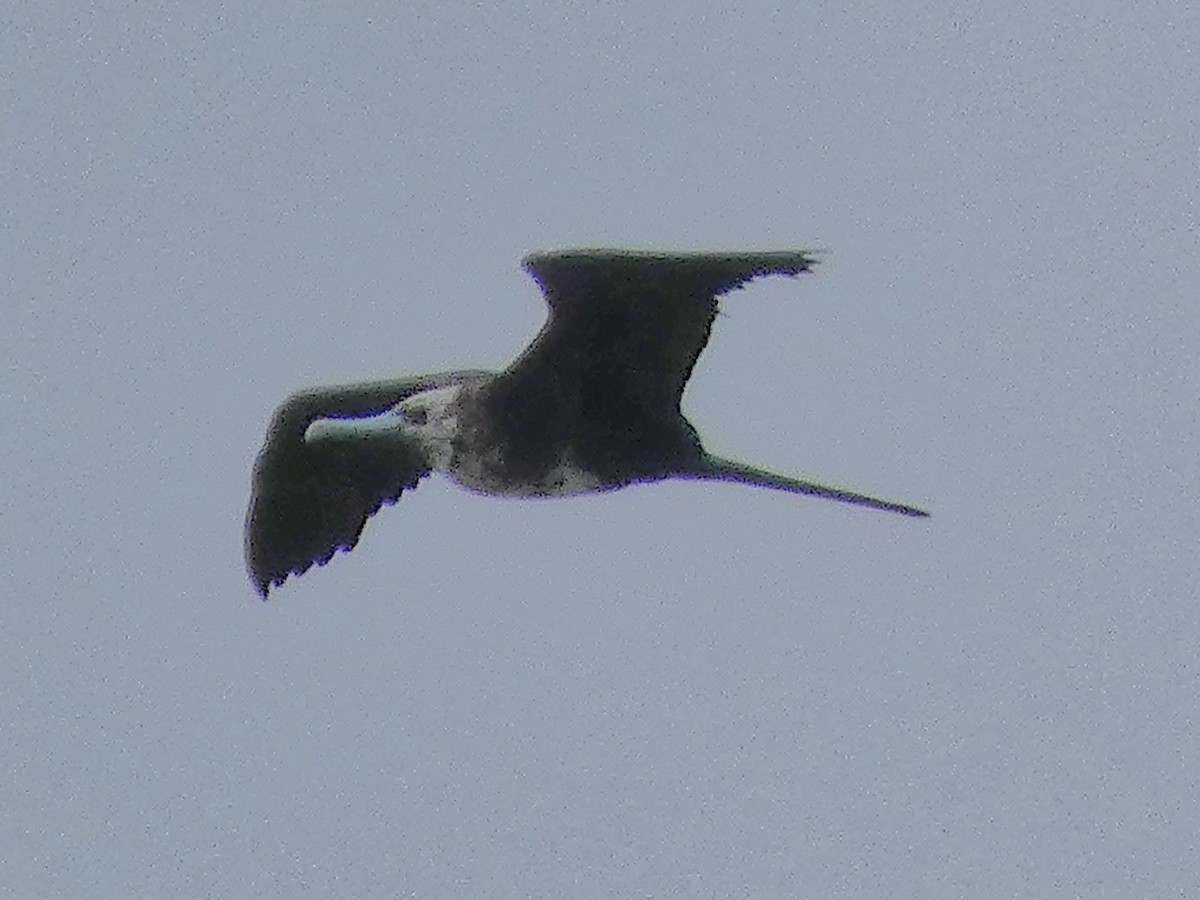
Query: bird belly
x: 485, y: 473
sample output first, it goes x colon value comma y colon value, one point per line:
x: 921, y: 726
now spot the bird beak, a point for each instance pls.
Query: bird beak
x: 385, y: 424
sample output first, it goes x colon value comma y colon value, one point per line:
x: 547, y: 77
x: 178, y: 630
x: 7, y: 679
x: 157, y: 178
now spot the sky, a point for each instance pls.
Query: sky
x: 675, y: 690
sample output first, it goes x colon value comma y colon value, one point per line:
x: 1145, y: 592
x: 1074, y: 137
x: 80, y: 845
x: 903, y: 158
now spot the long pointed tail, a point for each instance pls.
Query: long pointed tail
x: 717, y: 469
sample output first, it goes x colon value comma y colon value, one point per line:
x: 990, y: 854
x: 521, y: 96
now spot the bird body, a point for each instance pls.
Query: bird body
x: 592, y: 404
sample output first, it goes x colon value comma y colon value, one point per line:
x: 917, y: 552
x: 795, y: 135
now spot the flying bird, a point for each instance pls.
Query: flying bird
x: 592, y: 404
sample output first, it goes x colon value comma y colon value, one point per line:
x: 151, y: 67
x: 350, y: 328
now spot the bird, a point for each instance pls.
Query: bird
x: 592, y: 404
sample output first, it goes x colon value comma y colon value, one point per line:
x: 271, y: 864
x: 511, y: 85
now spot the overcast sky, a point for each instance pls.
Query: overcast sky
x: 677, y: 690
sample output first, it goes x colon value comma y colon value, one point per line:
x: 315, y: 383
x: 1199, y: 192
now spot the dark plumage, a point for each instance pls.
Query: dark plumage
x: 592, y: 404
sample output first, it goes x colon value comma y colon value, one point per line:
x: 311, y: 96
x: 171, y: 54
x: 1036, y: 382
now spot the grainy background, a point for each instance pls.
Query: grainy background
x: 672, y: 691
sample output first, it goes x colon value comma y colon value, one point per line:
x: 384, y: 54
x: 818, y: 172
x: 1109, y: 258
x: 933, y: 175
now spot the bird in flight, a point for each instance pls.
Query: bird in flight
x: 592, y: 404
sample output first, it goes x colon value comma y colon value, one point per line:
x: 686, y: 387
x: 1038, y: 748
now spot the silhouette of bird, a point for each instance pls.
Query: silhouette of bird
x: 592, y: 404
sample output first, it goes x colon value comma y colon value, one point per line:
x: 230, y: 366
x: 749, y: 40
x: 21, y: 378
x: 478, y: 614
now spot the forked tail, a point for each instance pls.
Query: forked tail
x: 715, y: 468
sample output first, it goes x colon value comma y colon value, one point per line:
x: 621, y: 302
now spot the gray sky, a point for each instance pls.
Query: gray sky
x: 675, y: 690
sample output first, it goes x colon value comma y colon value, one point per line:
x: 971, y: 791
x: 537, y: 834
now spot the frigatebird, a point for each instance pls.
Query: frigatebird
x: 592, y: 404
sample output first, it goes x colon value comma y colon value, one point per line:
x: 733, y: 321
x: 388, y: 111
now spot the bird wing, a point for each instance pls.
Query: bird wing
x: 308, y: 501
x: 636, y: 321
